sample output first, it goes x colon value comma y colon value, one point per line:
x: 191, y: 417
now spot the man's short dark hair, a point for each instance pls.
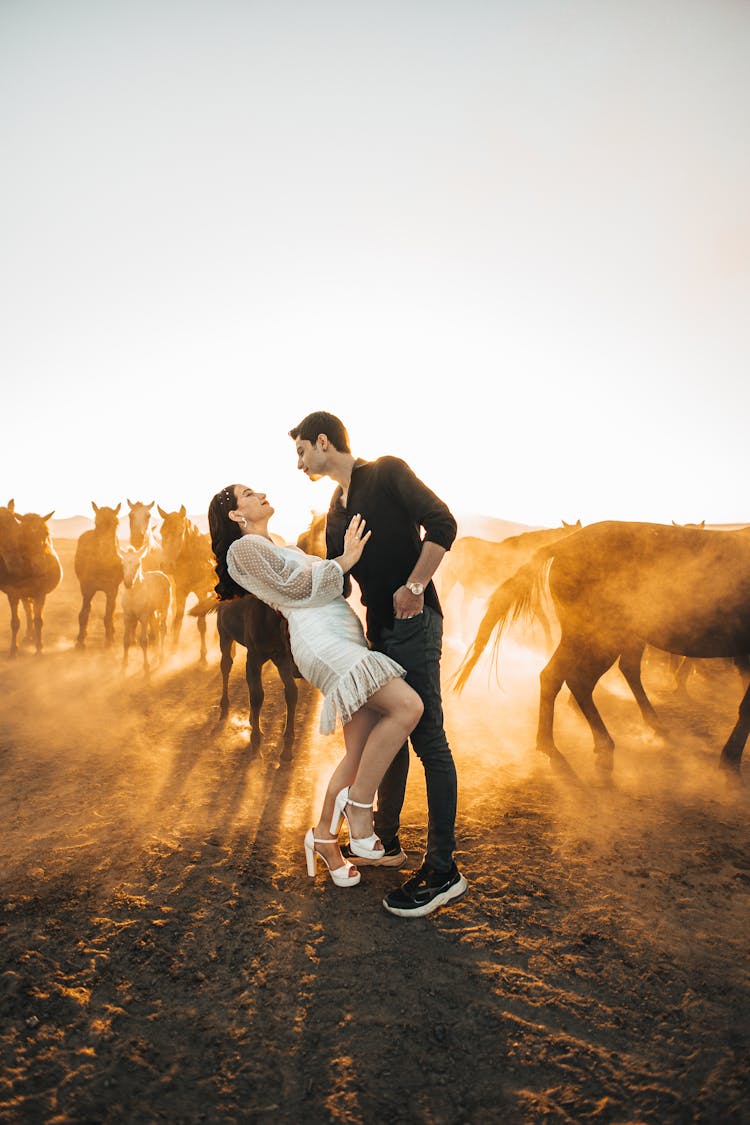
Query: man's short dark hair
x: 321, y: 422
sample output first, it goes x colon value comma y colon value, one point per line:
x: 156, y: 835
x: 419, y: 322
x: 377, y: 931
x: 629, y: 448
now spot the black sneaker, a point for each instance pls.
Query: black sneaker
x: 394, y: 856
x: 425, y: 892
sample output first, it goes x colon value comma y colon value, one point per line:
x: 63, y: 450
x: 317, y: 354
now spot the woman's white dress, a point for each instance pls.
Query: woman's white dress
x: 326, y: 636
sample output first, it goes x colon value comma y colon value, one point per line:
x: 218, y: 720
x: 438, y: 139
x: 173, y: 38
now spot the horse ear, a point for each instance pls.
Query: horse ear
x: 150, y: 506
x: 49, y: 517
x: 131, y: 505
x: 578, y: 523
x: 93, y: 505
x: 11, y: 505
x: 161, y: 511
x: 117, y: 509
x: 702, y: 523
x: 183, y: 511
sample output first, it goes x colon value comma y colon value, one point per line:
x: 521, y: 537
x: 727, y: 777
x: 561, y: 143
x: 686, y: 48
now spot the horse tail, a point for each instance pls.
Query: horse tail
x: 518, y: 597
x: 206, y: 605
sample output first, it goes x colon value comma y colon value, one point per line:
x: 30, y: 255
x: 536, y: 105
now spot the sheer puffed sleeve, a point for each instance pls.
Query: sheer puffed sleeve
x: 283, y: 578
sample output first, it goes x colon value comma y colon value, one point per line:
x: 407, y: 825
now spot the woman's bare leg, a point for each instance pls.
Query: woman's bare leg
x: 397, y: 709
x: 372, y: 739
x: 356, y: 733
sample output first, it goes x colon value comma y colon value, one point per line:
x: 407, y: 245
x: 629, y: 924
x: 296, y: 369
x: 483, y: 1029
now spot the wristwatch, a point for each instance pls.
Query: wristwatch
x: 416, y: 588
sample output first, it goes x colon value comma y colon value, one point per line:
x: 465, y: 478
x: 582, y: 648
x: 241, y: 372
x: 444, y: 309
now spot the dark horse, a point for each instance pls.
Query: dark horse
x: 261, y: 630
x: 617, y: 587
x: 29, y: 569
x: 98, y: 566
x: 188, y: 560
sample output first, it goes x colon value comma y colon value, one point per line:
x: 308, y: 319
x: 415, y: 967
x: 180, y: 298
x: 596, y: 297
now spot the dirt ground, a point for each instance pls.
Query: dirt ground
x: 166, y: 958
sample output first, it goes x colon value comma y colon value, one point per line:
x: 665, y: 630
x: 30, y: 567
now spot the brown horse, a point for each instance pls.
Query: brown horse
x: 188, y: 560
x: 11, y: 561
x: 261, y: 630
x: 29, y: 569
x: 98, y: 567
x: 617, y: 587
x: 313, y: 538
x: 479, y: 566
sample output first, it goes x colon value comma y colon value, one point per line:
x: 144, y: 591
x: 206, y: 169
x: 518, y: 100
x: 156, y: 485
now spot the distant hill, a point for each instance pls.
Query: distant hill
x: 488, y: 527
x: 74, y: 526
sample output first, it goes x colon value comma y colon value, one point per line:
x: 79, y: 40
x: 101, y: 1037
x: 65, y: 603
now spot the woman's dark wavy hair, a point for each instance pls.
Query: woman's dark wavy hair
x: 223, y: 533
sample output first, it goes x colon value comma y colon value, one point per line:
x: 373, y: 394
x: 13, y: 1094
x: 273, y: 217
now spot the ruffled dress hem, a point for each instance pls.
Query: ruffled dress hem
x: 352, y: 691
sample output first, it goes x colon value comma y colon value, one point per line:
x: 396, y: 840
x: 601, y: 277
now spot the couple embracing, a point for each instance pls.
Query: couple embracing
x: 385, y: 691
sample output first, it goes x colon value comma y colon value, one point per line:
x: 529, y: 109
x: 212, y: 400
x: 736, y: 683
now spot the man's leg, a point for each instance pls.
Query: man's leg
x: 416, y: 643
x: 391, y: 797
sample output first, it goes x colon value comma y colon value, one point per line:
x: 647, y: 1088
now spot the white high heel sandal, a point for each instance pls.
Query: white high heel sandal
x: 340, y: 875
x: 363, y: 846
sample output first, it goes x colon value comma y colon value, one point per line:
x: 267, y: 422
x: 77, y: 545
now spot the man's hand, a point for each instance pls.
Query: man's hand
x: 406, y: 604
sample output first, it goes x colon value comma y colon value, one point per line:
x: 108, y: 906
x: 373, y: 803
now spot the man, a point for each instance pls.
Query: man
x: 404, y: 620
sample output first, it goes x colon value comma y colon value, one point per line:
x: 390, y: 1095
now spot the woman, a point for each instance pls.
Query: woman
x: 378, y: 709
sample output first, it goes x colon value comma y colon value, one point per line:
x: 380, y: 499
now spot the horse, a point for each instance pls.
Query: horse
x: 29, y: 569
x: 618, y: 586
x: 98, y: 566
x: 141, y: 532
x: 479, y: 566
x: 313, y: 539
x: 11, y: 561
x: 247, y: 621
x: 146, y: 599
x: 188, y: 560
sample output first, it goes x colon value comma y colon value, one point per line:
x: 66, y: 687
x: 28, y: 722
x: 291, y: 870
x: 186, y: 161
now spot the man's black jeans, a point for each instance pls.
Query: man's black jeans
x: 416, y: 643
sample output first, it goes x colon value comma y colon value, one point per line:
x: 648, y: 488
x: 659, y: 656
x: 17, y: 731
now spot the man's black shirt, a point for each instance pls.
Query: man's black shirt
x: 396, y: 505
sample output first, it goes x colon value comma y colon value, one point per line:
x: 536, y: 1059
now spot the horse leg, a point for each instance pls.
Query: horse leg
x: 254, y: 677
x: 145, y: 627
x: 128, y: 633
x: 179, y: 610
x: 551, y: 680
x: 15, y: 624
x: 630, y: 666
x: 201, y: 622
x: 28, y: 608
x: 38, y: 623
x: 584, y: 674
x: 226, y: 644
x: 286, y: 671
x: 83, y: 617
x: 161, y: 633
x: 731, y: 755
x: 109, y: 617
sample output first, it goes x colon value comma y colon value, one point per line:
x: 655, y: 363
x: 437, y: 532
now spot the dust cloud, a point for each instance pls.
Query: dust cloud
x: 165, y: 949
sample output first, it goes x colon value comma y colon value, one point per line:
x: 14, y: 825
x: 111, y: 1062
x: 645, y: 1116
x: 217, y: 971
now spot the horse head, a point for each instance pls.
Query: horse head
x: 105, y: 519
x: 34, y: 530
x: 140, y: 522
x: 11, y: 558
x: 131, y: 563
x: 173, y: 532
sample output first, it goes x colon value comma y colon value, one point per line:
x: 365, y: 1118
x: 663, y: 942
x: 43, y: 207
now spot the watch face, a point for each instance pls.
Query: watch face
x: 416, y: 588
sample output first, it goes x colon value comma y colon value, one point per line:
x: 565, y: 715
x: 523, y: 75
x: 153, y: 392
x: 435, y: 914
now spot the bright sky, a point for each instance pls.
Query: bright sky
x: 508, y: 241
